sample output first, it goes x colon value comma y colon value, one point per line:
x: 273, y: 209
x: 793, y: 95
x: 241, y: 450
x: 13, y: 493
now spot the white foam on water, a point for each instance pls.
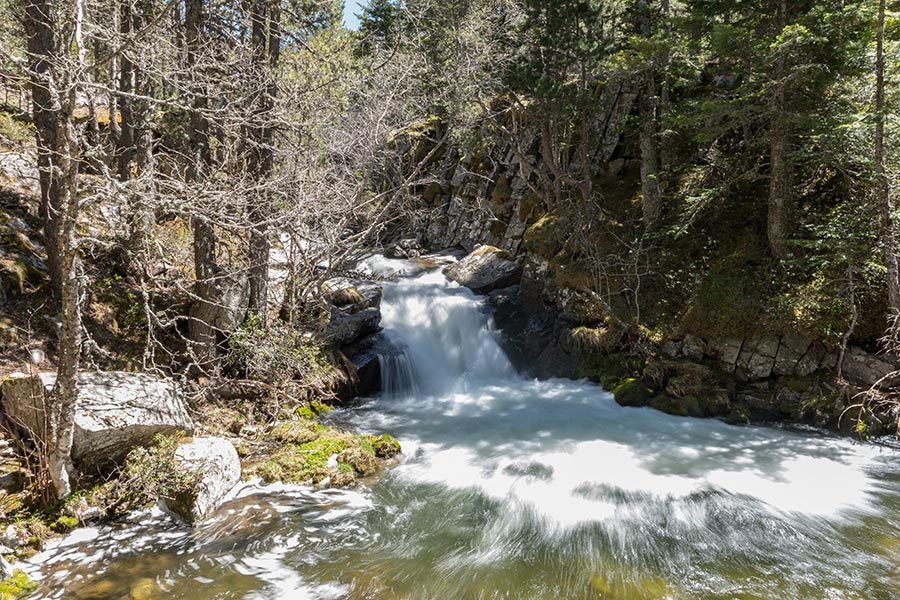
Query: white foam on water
x: 468, y: 421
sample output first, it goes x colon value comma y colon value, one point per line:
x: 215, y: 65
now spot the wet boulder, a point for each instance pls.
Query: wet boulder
x: 485, y: 270
x: 353, y: 295
x: 116, y: 412
x: 366, y: 356
x: 215, y: 468
x: 355, y: 310
x: 345, y: 328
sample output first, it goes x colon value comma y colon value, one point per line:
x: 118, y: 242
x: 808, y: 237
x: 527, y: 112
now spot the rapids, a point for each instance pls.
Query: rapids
x: 514, y: 488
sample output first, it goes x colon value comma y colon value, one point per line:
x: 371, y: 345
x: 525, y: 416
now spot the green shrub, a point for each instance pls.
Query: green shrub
x: 148, y: 474
x: 275, y: 354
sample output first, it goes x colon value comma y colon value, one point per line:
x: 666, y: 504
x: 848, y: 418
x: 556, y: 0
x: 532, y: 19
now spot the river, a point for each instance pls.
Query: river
x: 515, y: 488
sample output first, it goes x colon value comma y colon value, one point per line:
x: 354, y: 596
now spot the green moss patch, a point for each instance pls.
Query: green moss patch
x: 310, y: 461
x: 16, y: 586
x: 313, y: 409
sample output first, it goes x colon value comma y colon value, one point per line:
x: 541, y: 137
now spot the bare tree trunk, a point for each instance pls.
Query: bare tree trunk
x: 135, y: 142
x: 125, y: 143
x: 202, y: 333
x: 882, y: 188
x: 45, y: 108
x: 266, y: 42
x: 665, y: 143
x: 780, y: 184
x: 649, y: 132
x: 67, y: 153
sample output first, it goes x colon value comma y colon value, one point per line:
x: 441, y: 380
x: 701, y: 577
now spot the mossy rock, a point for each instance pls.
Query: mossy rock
x: 65, y: 524
x: 345, y: 297
x: 736, y: 415
x: 311, y: 461
x: 714, y: 403
x: 360, y: 460
x: 572, y: 275
x: 545, y: 237
x: 689, y: 406
x: 530, y: 208
x: 301, y: 463
x: 384, y: 446
x: 295, y: 432
x: 609, y: 369
x: 313, y: 409
x: 686, y: 384
x: 631, y: 392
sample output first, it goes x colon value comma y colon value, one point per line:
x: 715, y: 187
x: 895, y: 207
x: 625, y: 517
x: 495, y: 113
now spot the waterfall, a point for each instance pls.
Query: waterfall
x: 447, y: 342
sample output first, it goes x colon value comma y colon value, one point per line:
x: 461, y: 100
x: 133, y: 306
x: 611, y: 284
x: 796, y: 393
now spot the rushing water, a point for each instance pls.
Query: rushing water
x: 512, y: 488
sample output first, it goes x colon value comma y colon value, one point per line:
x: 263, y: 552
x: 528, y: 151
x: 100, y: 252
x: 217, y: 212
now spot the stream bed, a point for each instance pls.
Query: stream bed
x: 515, y: 488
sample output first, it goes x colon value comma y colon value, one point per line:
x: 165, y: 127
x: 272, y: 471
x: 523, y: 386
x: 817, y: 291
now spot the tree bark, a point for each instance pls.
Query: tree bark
x: 42, y: 49
x: 266, y: 43
x: 125, y: 143
x: 649, y: 131
x: 202, y: 333
x: 882, y: 188
x: 780, y: 177
x: 135, y: 141
x: 66, y: 154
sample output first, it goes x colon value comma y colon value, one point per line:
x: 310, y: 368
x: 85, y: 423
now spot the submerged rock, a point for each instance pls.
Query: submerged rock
x: 485, y: 270
x: 116, y: 412
x: 215, y: 463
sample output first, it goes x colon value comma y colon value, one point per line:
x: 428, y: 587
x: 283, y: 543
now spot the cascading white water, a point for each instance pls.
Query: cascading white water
x: 512, y: 488
x: 445, y: 339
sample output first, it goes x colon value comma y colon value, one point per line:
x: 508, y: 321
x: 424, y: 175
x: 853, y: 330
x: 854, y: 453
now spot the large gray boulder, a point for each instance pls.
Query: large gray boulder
x: 116, y: 412
x: 790, y: 351
x: 485, y: 270
x: 216, y: 467
x: 757, y: 357
x: 866, y: 369
x: 355, y: 310
x: 345, y: 328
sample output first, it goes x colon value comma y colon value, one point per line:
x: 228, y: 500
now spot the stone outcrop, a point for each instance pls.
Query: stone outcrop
x: 116, y: 412
x: 769, y: 356
x: 216, y: 469
x: 485, y: 270
x: 355, y: 311
x: 867, y: 370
